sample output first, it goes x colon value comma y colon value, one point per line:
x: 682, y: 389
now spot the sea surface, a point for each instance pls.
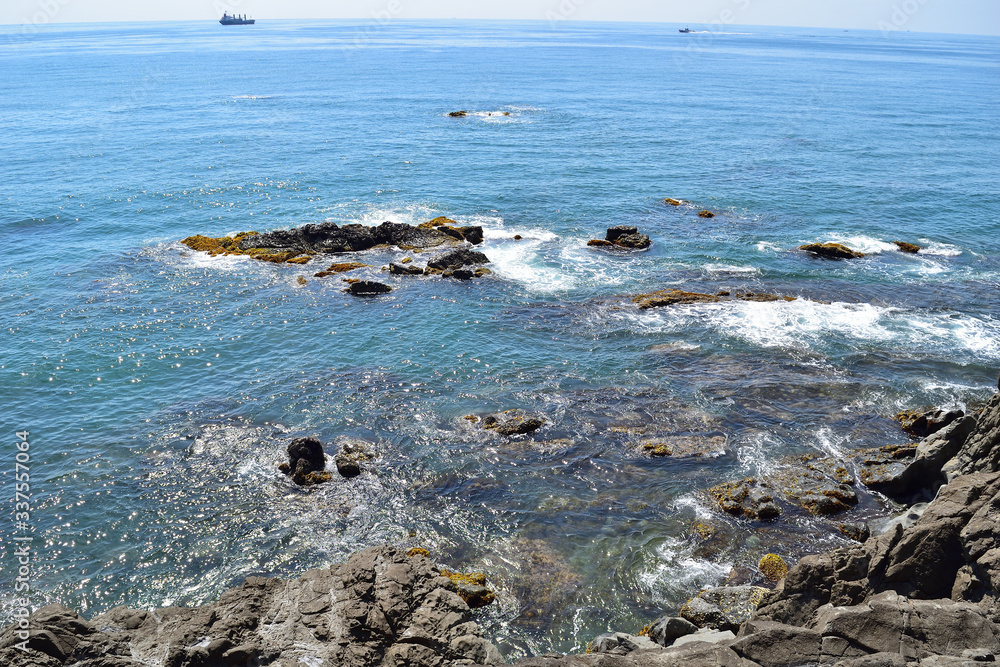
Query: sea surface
x: 160, y: 386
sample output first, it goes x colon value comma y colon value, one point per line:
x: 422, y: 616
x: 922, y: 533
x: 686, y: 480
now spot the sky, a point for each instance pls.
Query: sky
x: 951, y: 16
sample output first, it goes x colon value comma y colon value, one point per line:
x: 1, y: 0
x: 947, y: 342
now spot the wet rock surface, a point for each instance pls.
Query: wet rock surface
x: 368, y: 288
x: 512, y: 422
x: 381, y: 607
x: 306, y: 462
x: 831, y: 250
x: 677, y: 297
x: 622, y: 236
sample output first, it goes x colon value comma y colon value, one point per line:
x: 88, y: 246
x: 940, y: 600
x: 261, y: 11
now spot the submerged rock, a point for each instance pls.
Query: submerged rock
x: 512, y: 422
x: 831, y: 250
x: 747, y: 497
x: 685, y: 446
x: 458, y: 114
x: 817, y: 490
x: 706, y: 214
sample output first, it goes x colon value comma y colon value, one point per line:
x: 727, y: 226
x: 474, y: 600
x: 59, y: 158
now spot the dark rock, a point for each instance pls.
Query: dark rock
x: 622, y: 236
x: 458, y: 114
x: 306, y: 461
x: 634, y: 241
x: 831, y: 250
x: 666, y: 629
x: 981, y: 450
x: 379, y: 607
x: 346, y: 466
x: 472, y: 234
x: 405, y: 270
x: 512, y: 422
x: 922, y: 424
x: 906, y: 479
x: 463, y: 274
x: 368, y: 288
x: 907, y: 247
x: 706, y: 214
x: 456, y: 259
x: 853, y: 531
x: 723, y: 608
x: 328, y: 237
x: 614, y: 233
x: 771, y: 644
x: 673, y: 202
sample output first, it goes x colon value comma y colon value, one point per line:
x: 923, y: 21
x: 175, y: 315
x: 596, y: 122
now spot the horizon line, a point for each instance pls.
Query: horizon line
x: 709, y: 27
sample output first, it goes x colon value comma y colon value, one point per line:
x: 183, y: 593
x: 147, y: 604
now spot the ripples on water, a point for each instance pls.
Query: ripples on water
x: 161, y: 386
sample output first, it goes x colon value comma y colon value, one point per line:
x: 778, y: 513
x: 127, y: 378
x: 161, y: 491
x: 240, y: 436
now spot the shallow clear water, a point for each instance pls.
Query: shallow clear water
x: 161, y: 386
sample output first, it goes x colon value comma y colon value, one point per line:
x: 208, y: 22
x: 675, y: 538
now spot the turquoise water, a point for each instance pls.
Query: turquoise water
x: 161, y: 386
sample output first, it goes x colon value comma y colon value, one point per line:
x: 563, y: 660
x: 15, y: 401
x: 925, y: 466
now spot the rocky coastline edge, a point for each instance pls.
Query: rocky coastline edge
x: 922, y: 593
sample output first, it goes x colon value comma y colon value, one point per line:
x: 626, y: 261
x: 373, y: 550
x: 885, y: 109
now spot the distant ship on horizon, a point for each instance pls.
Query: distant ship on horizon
x: 235, y: 19
x: 685, y: 30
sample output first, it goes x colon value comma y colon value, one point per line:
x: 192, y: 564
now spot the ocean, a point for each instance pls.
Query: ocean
x: 161, y: 386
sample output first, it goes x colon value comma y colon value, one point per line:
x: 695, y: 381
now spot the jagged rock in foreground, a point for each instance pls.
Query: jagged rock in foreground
x: 381, y: 607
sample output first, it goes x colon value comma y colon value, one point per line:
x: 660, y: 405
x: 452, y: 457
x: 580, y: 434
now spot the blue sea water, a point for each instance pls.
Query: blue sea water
x: 161, y: 386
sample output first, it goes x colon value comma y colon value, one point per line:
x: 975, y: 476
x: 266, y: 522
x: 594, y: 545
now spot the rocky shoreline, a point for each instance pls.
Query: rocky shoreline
x: 922, y: 592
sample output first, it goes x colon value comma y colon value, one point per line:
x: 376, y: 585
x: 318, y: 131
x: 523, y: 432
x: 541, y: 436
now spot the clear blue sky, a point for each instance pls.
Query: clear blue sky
x: 955, y: 16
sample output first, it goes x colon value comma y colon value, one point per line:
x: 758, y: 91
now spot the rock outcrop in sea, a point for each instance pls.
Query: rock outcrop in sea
x: 298, y: 245
x: 622, y: 236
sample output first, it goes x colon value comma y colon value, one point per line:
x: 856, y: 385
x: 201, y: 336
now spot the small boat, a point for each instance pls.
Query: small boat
x: 685, y: 30
x: 235, y: 19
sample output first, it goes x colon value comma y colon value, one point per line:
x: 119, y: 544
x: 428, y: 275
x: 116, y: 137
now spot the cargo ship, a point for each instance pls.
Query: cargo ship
x: 235, y: 19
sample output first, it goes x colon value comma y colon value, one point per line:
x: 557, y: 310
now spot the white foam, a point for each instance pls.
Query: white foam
x: 861, y: 243
x: 679, y: 574
x: 730, y: 269
x: 940, y: 249
x: 803, y: 324
x: 768, y: 246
